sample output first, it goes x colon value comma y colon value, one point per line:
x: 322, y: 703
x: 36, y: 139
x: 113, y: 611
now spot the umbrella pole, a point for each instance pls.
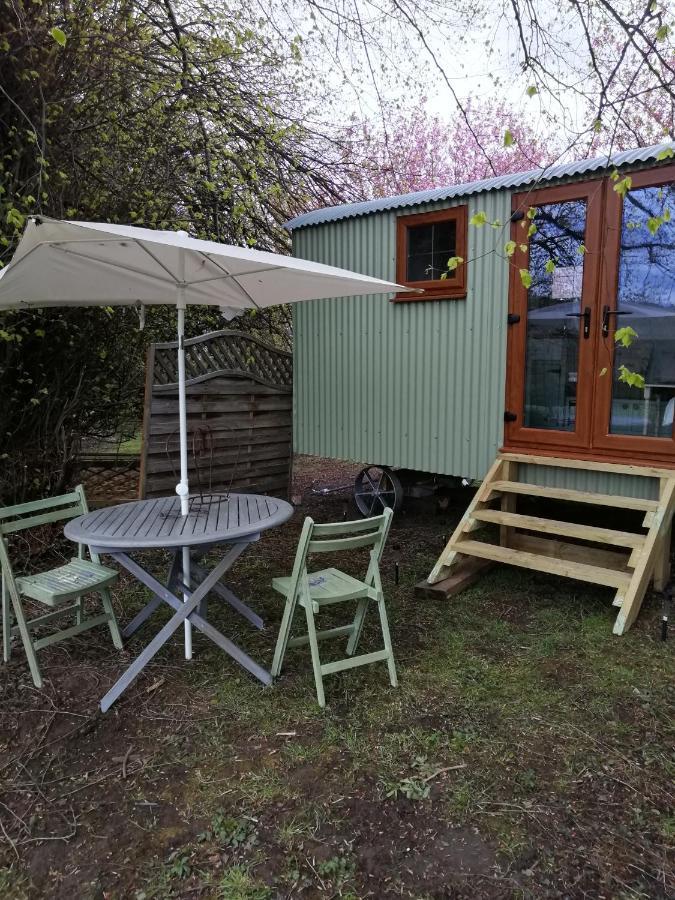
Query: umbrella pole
x: 182, y: 488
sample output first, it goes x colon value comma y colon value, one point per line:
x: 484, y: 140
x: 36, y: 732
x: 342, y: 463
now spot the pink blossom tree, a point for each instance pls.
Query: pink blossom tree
x: 416, y: 150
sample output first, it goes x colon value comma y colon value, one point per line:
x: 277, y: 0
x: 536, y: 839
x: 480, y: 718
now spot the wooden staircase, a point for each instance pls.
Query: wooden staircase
x: 626, y: 560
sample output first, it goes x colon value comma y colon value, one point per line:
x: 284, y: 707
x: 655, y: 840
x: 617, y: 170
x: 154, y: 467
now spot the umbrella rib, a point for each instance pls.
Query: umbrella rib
x: 233, y: 277
x: 114, y: 265
x: 230, y: 275
x: 158, y: 261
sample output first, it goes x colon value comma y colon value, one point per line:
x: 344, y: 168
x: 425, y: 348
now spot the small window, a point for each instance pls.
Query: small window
x: 424, y: 244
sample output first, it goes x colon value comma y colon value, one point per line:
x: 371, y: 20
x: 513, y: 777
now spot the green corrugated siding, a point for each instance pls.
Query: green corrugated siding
x: 417, y: 385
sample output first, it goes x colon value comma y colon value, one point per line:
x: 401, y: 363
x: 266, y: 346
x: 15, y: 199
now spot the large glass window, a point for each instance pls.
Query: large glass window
x: 646, y: 303
x: 554, y: 315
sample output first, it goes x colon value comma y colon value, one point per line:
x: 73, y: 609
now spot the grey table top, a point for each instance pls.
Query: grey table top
x: 156, y: 523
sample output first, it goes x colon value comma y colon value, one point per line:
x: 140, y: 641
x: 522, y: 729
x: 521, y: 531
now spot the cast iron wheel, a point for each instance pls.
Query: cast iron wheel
x: 375, y: 488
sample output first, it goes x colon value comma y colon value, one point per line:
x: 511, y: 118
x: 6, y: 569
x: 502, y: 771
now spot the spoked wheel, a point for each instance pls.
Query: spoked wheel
x: 375, y: 488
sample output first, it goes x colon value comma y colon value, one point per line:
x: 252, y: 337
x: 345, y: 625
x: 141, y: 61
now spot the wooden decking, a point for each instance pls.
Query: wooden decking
x: 625, y: 560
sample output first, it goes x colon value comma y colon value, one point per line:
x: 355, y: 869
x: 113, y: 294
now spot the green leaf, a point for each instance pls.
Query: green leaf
x: 508, y: 138
x: 581, y: 249
x: 654, y: 223
x: 550, y: 266
x: 15, y: 218
x: 525, y: 278
x: 633, y: 379
x: 532, y: 212
x: 59, y: 36
x: 531, y: 91
x: 510, y: 248
x: 668, y: 153
x: 478, y: 219
x: 662, y: 32
x: 625, y: 336
x: 622, y: 187
x: 453, y: 262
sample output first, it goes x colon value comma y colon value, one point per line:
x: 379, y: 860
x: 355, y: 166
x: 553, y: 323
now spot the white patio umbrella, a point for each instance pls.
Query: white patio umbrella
x: 66, y: 264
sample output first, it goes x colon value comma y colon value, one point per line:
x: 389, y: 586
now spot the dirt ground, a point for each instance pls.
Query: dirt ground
x: 527, y: 752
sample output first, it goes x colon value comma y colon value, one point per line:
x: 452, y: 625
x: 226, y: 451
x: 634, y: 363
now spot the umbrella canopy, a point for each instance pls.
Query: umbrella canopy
x: 66, y: 264
x: 61, y: 263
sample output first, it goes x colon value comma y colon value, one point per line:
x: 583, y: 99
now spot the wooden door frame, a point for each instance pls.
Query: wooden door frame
x: 632, y: 447
x: 516, y: 435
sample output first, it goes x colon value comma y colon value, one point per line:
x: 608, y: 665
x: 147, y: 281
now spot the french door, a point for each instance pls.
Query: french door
x: 589, y: 261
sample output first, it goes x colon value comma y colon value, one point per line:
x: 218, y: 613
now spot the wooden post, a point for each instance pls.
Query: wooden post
x: 508, y: 501
x: 662, y: 563
x: 448, y: 558
x: 645, y: 566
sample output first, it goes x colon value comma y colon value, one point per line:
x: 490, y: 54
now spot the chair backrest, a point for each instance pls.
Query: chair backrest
x: 354, y: 535
x: 42, y: 512
x: 333, y: 537
x: 39, y: 512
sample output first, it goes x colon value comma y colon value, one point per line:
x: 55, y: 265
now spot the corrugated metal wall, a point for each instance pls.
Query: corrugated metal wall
x: 417, y: 385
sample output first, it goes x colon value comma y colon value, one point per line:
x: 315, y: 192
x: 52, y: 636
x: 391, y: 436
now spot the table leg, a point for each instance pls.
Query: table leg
x: 149, y: 609
x: 224, y: 643
x: 226, y: 594
x: 180, y: 616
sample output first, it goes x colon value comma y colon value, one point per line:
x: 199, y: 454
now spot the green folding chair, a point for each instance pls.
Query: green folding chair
x: 329, y: 586
x: 61, y: 588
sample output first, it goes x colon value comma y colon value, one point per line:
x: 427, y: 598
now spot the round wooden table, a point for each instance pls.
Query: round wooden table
x: 237, y: 520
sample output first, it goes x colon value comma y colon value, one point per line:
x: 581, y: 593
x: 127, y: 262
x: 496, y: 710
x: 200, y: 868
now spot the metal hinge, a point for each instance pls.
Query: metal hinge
x: 512, y: 319
x: 509, y: 416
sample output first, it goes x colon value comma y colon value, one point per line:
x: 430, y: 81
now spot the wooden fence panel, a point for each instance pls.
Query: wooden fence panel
x: 239, y: 411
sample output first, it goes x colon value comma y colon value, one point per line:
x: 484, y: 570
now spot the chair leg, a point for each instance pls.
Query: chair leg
x: 284, y: 635
x: 79, y: 611
x: 359, y: 619
x: 112, y: 621
x: 391, y: 665
x: 6, y: 624
x: 27, y: 643
x: 316, y: 661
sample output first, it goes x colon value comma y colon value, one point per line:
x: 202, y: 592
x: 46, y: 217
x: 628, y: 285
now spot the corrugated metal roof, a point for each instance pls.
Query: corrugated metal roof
x: 520, y: 179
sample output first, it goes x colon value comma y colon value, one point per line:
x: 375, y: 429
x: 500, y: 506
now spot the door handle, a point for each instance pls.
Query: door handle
x: 606, y: 313
x: 586, y: 316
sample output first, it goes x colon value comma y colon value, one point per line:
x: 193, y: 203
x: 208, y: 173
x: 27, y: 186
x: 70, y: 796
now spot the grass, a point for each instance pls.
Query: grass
x: 528, y: 752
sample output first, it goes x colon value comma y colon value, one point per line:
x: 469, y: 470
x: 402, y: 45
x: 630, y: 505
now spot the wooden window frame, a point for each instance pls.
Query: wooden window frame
x: 437, y: 289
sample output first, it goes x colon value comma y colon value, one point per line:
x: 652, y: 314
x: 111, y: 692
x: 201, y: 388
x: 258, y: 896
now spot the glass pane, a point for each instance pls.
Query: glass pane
x: 646, y: 300
x: 429, y: 249
x: 420, y: 239
x: 553, y: 305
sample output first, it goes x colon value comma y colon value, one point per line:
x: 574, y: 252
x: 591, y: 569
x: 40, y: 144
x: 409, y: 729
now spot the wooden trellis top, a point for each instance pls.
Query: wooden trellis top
x: 223, y: 353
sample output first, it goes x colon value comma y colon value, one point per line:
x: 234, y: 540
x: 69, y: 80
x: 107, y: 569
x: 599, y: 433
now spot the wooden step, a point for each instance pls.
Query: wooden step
x: 580, y: 571
x: 617, y: 560
x: 558, y: 462
x: 566, y: 529
x: 553, y: 493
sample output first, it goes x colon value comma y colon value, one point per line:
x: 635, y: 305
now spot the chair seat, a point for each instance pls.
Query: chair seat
x: 329, y: 586
x: 56, y: 586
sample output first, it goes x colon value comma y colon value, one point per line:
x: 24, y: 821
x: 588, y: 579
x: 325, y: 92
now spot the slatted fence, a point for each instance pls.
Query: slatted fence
x: 239, y: 408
